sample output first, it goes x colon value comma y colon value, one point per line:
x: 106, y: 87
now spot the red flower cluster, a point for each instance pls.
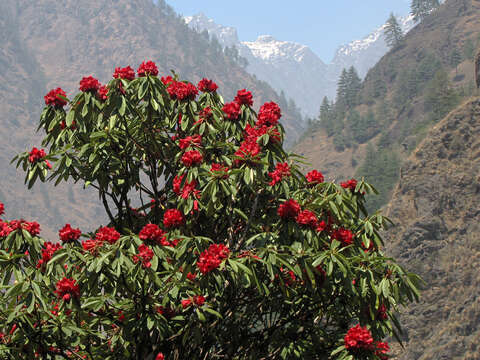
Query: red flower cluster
x: 195, y: 140
x: 382, y: 312
x: 211, y: 258
x: 248, y: 151
x: 359, y: 338
x: 315, y: 177
x: 47, y: 253
x: 53, y: 99
x: 307, y: 218
x: 33, y: 228
x: 198, y: 300
x: 36, y: 155
x: 281, y: 171
x: 173, y: 218
x: 289, y: 209
x: 160, y: 356
x: 107, y: 234
x: 67, y: 288
x: 269, y: 114
x: 126, y: 73
x: 89, y: 84
x: 381, y: 350
x: 91, y: 245
x: 206, y: 85
x: 343, y: 235
x: 231, y: 110
x: 152, y: 233
x: 2, y: 209
x: 219, y: 171
x: 244, y: 97
x: 166, y: 80
x: 188, y: 187
x: 257, y: 131
x: 102, y: 93
x: 192, y: 158
x: 182, y: 91
x: 145, y: 254
x: 67, y: 234
x: 147, y: 68
x: 204, y: 115
x: 350, y: 184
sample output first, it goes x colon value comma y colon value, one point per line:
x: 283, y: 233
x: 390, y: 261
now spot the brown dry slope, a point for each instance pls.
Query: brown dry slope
x: 437, y: 208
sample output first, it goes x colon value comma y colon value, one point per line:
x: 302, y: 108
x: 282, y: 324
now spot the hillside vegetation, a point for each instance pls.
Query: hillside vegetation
x: 373, y: 126
x: 47, y: 45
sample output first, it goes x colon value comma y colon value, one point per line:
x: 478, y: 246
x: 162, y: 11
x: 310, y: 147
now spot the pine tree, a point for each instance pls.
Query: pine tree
x: 455, y: 59
x: 393, y: 32
x: 354, y: 84
x: 342, y: 89
x: 421, y: 8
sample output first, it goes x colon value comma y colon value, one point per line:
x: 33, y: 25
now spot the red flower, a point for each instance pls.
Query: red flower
x: 186, y: 303
x: 67, y: 234
x: 195, y: 140
x: 281, y: 171
x: 152, y: 233
x: 219, y: 171
x: 257, y: 131
x: 350, y: 184
x: 191, y: 276
x: 206, y: 85
x: 126, y: 73
x: 166, y: 80
x: 89, y: 84
x: 211, y: 258
x: 269, y: 114
x: 160, y: 356
x: 321, y: 226
x: 244, y: 97
x: 188, y: 187
x: 381, y: 350
x: 289, y: 209
x: 248, y: 150
x: 232, y: 110
x: 343, y: 235
x: 145, y: 254
x: 66, y: 288
x: 107, y: 234
x: 204, y: 115
x: 192, y: 158
x: 47, y: 253
x: 2, y: 209
x: 382, y: 312
x: 53, y: 99
x: 36, y: 155
x: 307, y: 218
x: 147, y: 68
x: 173, y: 218
x: 182, y: 91
x: 91, y: 245
x: 315, y: 177
x: 199, y: 300
x: 359, y: 338
x: 102, y: 93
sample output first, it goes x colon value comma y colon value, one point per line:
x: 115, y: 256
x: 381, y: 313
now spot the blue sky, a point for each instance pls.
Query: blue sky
x: 323, y: 25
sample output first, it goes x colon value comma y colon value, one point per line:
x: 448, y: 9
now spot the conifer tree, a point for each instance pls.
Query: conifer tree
x: 354, y: 84
x: 455, y: 59
x: 393, y: 32
x: 342, y: 88
x: 421, y: 8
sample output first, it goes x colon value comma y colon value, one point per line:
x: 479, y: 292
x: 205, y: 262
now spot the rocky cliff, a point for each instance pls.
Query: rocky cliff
x: 437, y: 234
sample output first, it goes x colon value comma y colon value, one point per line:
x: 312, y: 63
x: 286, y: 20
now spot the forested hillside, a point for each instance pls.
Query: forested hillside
x: 47, y: 44
x: 374, y: 125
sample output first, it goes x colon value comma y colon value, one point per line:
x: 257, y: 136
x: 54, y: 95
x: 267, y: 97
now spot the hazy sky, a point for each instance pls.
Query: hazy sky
x: 323, y: 25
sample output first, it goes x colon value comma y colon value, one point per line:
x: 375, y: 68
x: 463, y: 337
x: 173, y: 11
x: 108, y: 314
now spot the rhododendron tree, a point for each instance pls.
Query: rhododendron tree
x: 216, y: 246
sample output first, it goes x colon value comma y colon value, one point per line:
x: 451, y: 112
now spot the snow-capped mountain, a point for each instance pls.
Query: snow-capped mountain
x: 365, y: 53
x: 294, y: 68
